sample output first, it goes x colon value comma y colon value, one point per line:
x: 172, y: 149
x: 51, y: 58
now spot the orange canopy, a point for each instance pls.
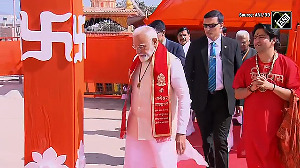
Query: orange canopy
x: 190, y: 13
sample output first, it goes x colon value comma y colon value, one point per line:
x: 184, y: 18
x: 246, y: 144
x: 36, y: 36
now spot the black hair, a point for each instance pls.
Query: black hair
x: 183, y: 29
x: 215, y: 13
x: 224, y: 29
x: 272, y: 33
x: 158, y: 25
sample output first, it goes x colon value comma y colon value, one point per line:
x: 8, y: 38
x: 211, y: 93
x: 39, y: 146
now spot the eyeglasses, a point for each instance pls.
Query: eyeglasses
x: 210, y: 25
x: 260, y: 37
x: 139, y: 47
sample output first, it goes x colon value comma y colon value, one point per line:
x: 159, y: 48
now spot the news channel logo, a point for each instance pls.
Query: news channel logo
x: 281, y: 19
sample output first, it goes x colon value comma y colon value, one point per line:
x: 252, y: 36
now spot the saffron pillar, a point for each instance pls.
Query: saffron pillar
x: 53, y: 50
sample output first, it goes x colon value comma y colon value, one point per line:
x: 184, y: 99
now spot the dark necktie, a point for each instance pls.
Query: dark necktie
x: 212, y: 68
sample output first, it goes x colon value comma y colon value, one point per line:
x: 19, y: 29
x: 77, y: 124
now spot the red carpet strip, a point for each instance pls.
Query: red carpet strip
x: 195, y: 140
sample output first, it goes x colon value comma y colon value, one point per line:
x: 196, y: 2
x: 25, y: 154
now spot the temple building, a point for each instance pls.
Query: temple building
x: 109, y: 20
x: 104, y: 17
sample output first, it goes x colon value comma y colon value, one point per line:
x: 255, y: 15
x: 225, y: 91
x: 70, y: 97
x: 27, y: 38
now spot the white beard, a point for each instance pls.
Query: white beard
x: 144, y: 58
x: 147, y: 56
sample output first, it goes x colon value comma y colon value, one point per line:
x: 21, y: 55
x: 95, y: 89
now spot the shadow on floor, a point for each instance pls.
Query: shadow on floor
x: 99, y: 158
x: 113, y: 134
x: 7, y: 86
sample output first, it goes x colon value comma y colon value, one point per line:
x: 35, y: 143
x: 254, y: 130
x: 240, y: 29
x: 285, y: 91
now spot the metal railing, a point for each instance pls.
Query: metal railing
x: 9, y: 38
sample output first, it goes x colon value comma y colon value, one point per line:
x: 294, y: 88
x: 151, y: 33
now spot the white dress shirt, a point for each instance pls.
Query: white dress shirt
x: 186, y: 47
x: 219, y: 71
x: 164, y: 42
x: 139, y: 119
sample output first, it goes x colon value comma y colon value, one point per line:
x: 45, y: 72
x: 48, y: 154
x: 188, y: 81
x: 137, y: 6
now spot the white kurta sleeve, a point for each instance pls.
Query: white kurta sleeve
x: 180, y: 87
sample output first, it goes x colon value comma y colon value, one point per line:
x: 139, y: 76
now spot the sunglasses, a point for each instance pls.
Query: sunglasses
x: 210, y: 25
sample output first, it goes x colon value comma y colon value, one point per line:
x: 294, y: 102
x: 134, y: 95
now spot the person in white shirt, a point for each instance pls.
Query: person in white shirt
x: 160, y: 104
x: 184, y: 38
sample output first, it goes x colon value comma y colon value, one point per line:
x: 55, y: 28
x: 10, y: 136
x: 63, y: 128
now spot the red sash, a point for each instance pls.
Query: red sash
x: 132, y: 68
x: 160, y: 105
x: 289, y: 133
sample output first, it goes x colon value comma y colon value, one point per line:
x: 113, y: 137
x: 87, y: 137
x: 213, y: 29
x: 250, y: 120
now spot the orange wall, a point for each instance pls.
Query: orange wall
x: 294, y: 45
x: 10, y: 57
x: 108, y: 59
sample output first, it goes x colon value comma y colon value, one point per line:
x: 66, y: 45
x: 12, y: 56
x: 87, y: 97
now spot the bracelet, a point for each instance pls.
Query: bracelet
x: 249, y: 88
x: 273, y: 87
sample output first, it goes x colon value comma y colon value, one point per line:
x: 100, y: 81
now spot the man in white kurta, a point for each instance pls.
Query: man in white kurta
x: 142, y: 149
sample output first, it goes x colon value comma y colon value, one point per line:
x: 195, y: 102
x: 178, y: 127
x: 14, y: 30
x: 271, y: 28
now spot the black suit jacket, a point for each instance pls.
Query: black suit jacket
x: 196, y: 71
x: 176, y: 49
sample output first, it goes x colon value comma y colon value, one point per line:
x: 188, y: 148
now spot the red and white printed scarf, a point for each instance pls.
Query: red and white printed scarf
x: 160, y: 103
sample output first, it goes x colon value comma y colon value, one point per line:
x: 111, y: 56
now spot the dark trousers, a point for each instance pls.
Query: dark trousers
x: 214, y: 124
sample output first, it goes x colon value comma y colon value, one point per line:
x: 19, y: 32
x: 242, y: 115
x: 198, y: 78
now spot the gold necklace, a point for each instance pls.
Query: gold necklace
x: 140, y: 78
x: 245, y: 55
x: 275, y: 56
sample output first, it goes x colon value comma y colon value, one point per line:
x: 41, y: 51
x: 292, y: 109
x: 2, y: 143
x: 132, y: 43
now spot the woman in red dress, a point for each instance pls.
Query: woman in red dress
x: 264, y: 81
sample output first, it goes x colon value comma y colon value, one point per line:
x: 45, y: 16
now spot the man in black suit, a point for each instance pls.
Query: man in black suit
x: 172, y: 46
x: 210, y: 67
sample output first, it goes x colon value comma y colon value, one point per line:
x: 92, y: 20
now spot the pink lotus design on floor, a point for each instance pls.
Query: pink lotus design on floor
x: 49, y: 159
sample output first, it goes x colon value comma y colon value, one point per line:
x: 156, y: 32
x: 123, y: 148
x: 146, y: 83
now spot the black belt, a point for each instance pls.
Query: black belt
x: 217, y: 92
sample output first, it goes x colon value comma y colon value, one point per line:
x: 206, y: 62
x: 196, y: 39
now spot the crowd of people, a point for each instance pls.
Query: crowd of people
x: 208, y: 80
